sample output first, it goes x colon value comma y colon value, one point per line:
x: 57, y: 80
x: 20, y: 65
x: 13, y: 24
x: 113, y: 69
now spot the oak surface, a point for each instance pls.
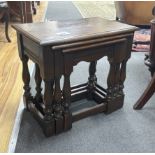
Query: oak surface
x: 60, y: 32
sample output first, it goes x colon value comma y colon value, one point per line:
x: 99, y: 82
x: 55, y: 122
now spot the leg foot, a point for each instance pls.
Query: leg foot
x: 49, y: 128
x: 114, y: 104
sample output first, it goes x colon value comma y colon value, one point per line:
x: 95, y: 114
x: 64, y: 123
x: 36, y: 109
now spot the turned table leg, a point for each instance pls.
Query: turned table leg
x: 111, y: 86
x: 92, y: 80
x: 149, y: 91
x: 117, y: 79
x: 49, y: 123
x: 58, y: 105
x: 38, y: 80
x: 122, y: 76
x: 67, y: 100
x: 26, y: 79
x: 115, y: 83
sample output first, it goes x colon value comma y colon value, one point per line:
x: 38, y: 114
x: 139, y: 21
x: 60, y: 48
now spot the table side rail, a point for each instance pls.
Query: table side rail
x: 91, y: 41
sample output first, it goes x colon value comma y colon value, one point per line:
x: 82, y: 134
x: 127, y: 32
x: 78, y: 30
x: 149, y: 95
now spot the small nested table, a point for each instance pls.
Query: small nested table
x: 55, y: 47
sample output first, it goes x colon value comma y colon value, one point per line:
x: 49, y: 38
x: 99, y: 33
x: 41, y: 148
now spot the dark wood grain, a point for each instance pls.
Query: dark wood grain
x: 56, y: 47
x: 56, y: 32
x: 92, y: 80
x: 38, y: 81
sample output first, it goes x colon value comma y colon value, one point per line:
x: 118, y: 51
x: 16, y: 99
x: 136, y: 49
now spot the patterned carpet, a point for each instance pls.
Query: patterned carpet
x: 142, y: 36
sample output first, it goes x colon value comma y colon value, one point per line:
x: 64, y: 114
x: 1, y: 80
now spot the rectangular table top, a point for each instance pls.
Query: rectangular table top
x: 60, y: 32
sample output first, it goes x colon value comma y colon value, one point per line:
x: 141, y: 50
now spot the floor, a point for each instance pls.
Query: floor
x: 10, y: 80
x: 124, y: 131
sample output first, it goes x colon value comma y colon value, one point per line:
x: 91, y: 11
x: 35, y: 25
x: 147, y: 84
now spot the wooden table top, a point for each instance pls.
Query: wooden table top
x: 61, y: 32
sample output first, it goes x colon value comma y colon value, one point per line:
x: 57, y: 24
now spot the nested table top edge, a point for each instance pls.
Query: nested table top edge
x: 61, y: 41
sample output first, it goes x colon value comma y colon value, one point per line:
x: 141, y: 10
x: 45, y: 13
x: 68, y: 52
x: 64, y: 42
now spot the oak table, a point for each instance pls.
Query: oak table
x: 55, y: 47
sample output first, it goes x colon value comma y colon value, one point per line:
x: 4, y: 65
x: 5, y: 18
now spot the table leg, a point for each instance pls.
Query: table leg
x: 115, y: 95
x: 49, y: 123
x: 67, y: 100
x: 92, y: 80
x: 26, y: 79
x: 58, y: 106
x: 110, y: 83
x: 149, y: 91
x: 122, y: 76
x: 38, y: 80
x: 117, y: 80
